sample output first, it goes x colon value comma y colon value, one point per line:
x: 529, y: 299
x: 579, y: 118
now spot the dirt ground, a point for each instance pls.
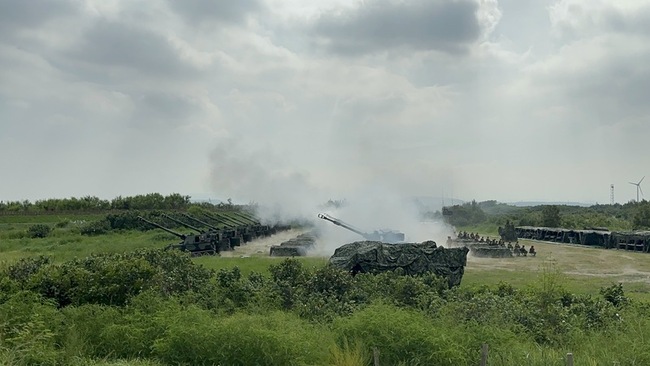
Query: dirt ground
x: 262, y: 246
x: 572, y: 260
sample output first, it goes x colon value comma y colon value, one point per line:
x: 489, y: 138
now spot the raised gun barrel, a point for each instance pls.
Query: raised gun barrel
x: 340, y: 223
x: 182, y: 223
x: 182, y: 236
x: 200, y: 221
x: 386, y: 236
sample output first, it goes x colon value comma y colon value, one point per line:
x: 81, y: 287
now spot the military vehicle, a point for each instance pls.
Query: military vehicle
x: 295, y: 247
x: 409, y: 258
x: 384, y: 236
x: 226, y: 238
x: 236, y: 229
x: 196, y: 244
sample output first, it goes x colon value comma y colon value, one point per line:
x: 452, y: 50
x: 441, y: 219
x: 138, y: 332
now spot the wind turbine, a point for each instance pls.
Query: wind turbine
x: 638, y: 188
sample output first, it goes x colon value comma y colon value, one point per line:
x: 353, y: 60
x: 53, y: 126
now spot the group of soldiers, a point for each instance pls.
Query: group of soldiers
x: 521, y: 250
x: 518, y: 250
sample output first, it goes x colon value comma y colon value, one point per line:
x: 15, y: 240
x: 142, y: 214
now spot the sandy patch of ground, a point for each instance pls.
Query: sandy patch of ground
x: 262, y: 246
x: 573, y: 260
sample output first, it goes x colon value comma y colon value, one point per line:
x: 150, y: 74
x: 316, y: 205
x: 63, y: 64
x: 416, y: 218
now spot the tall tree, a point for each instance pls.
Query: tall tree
x: 551, y: 216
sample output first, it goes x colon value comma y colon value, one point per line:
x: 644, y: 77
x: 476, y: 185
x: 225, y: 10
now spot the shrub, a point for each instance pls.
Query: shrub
x: 402, y: 336
x: 27, y: 329
x: 195, y: 337
x: 39, y: 231
x: 97, y: 227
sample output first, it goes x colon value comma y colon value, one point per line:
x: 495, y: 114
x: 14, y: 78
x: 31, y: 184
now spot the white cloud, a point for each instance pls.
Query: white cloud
x: 490, y: 106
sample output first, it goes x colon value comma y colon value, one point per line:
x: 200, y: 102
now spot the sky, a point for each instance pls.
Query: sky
x: 289, y: 101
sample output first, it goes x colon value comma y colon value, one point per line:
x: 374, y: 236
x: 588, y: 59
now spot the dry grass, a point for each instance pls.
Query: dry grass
x: 585, y: 269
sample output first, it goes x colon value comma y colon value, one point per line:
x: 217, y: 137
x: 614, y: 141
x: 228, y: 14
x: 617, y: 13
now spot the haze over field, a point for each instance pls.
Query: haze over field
x: 302, y: 101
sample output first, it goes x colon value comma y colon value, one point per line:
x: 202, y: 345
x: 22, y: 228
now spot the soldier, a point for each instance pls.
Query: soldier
x: 524, y: 252
x: 532, y: 251
x: 509, y: 246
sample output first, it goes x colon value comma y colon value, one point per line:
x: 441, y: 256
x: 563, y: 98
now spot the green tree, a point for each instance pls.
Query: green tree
x: 551, y: 216
x: 642, y: 216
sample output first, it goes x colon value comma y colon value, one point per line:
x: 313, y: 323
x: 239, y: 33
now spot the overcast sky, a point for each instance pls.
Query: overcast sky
x: 509, y: 100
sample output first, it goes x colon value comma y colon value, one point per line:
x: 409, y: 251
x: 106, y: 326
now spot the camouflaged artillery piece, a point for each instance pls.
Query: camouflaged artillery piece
x: 408, y: 258
x: 384, y: 236
x: 196, y: 244
x: 295, y: 247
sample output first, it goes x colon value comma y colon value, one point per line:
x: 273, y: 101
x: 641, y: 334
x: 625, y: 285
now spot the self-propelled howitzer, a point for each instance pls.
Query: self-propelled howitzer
x: 385, y: 236
x: 200, y: 244
x: 232, y: 237
x: 179, y: 235
x: 183, y: 224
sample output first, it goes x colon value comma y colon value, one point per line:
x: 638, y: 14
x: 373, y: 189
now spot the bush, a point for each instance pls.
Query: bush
x: 402, y: 336
x: 112, y: 279
x: 27, y: 330
x: 39, y: 231
x: 194, y: 337
x: 97, y: 227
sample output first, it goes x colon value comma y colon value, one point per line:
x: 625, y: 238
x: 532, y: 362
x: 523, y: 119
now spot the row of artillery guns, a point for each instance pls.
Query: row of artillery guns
x: 214, y: 232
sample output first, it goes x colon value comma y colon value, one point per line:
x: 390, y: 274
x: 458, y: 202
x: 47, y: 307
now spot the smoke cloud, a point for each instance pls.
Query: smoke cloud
x: 285, y: 193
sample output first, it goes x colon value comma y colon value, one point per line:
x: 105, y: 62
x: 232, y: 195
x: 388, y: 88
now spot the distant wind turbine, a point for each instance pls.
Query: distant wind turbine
x: 638, y: 188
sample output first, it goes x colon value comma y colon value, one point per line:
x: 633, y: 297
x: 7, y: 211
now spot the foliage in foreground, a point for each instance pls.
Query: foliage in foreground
x: 157, y: 307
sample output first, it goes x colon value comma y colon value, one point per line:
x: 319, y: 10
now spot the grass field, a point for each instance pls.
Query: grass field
x: 522, y: 327
x: 583, y: 269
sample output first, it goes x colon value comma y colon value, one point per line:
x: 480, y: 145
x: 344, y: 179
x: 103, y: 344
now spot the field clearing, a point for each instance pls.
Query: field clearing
x: 581, y: 269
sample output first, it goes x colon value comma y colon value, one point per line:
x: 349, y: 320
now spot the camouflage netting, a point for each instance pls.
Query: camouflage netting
x: 491, y: 252
x: 412, y: 258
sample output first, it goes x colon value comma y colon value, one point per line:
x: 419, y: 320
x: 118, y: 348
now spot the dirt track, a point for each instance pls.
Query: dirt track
x: 262, y: 246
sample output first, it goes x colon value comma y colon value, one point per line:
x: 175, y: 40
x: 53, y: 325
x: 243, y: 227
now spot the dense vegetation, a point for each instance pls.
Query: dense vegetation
x: 159, y: 307
x: 151, y: 201
x: 491, y: 214
x: 69, y: 296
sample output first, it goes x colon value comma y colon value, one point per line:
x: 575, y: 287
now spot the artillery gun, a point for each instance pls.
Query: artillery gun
x: 384, y: 236
x: 234, y: 229
x: 228, y: 237
x: 196, y: 244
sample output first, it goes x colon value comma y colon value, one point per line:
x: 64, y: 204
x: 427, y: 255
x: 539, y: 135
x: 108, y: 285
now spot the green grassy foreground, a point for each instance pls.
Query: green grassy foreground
x: 161, y: 308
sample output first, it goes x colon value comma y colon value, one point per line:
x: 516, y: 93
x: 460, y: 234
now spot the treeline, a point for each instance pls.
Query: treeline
x: 629, y: 216
x: 163, y: 309
x: 151, y: 201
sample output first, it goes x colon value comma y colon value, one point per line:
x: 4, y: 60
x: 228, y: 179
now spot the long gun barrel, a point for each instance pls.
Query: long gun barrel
x: 245, y: 218
x: 227, y: 220
x: 340, y: 223
x: 163, y: 228
x: 182, y: 223
x: 200, y: 221
x: 218, y: 220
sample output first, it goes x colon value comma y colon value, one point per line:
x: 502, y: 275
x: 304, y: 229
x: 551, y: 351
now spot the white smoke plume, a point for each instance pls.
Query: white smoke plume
x: 284, y: 193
